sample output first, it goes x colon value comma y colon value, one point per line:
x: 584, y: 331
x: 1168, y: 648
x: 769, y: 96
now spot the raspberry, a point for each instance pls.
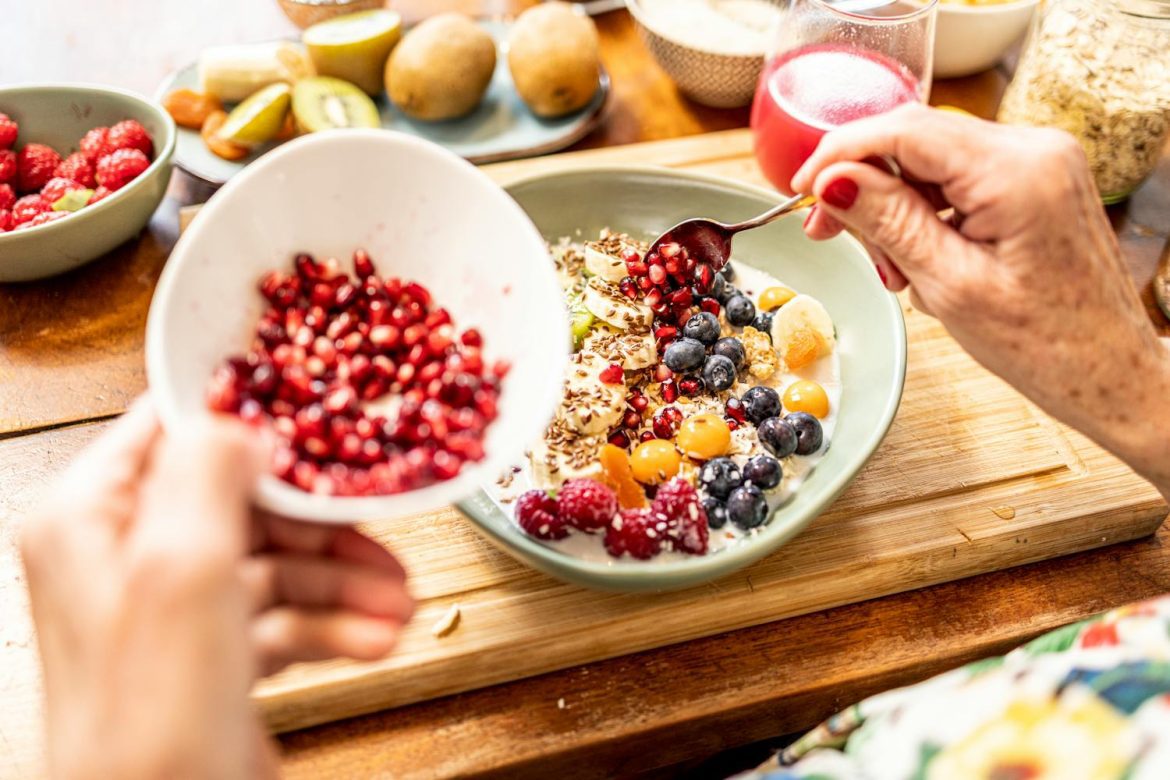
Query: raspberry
x: 116, y: 170
x: 28, y: 207
x: 77, y: 167
x: 6, y: 222
x: 637, y: 532
x: 587, y: 504
x: 678, y: 503
x: 95, y: 144
x: 8, y: 131
x: 35, y: 164
x: 43, y: 218
x: 7, y: 197
x: 129, y: 134
x: 7, y: 165
x: 538, y: 515
x: 56, y: 189
x: 99, y: 194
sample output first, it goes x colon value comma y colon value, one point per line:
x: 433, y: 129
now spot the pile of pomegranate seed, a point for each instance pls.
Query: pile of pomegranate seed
x: 329, y: 342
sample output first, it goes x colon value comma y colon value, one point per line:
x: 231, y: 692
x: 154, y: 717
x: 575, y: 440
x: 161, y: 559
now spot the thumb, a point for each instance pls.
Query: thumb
x: 888, y: 214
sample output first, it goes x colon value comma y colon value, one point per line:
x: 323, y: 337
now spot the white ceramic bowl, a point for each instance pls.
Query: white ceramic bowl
x: 422, y: 213
x: 973, y: 38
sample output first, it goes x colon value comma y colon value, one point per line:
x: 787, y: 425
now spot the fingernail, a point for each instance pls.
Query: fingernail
x: 811, y: 213
x: 882, y: 276
x: 841, y: 193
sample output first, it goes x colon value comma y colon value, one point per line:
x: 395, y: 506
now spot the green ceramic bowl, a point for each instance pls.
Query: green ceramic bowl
x: 870, y: 331
x: 58, y: 115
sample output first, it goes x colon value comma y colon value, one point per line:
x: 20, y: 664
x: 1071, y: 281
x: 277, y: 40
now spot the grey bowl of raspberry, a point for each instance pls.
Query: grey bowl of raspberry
x: 82, y: 170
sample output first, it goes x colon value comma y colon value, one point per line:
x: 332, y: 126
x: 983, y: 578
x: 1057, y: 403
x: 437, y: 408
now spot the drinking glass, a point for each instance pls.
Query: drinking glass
x: 834, y: 62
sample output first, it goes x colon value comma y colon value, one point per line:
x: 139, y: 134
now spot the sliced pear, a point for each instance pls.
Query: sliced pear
x: 325, y: 103
x: 803, y: 312
x: 259, y: 118
x: 354, y: 47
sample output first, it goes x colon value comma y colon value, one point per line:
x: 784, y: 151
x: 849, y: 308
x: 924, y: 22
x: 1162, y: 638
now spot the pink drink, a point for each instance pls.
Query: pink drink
x: 807, y: 92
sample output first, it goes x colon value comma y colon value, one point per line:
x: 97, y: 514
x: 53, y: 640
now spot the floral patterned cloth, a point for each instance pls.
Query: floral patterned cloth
x: 1090, y: 701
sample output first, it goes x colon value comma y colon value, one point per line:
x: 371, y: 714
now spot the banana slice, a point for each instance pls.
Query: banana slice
x: 608, y: 267
x: 633, y: 350
x: 591, y: 406
x: 803, y: 311
x: 564, y: 454
x: 232, y: 73
x: 609, y: 305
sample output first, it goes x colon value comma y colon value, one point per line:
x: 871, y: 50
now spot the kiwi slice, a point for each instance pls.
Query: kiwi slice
x: 258, y: 118
x: 325, y: 103
x: 581, y: 321
x: 74, y: 200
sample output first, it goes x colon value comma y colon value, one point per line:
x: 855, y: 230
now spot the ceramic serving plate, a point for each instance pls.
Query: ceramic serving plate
x: 870, y: 331
x: 501, y: 128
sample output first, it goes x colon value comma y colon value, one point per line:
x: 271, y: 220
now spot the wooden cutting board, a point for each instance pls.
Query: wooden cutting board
x: 971, y: 479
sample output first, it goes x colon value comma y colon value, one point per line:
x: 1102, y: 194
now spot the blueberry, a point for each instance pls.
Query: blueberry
x: 728, y: 272
x: 716, y: 512
x: 732, y: 349
x: 747, y: 507
x: 740, y: 310
x: 763, y: 471
x: 718, y: 287
x: 808, y: 432
x: 684, y: 355
x: 760, y: 403
x: 728, y: 292
x: 703, y: 327
x: 778, y: 436
x: 720, y: 476
x: 718, y: 373
x: 763, y: 323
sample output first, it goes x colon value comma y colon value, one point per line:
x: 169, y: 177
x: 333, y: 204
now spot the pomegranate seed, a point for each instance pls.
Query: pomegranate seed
x: 644, y: 283
x: 307, y: 267
x: 263, y: 380
x: 317, y: 447
x: 418, y: 354
x: 342, y: 324
x: 501, y: 368
x: 440, y: 339
x: 471, y: 338
x: 414, y: 334
x: 681, y: 315
x: 446, y: 465
x: 636, y: 267
x: 681, y: 298
x: 340, y: 400
x: 656, y: 273
x: 704, y: 277
x: 653, y: 298
x: 485, y: 404
x: 304, y: 474
x: 639, y: 402
x: 375, y: 388
x: 669, y: 249
x: 646, y: 436
x: 223, y: 395
x: 662, y: 373
x: 378, y: 312
x: 732, y: 423
x: 430, y: 372
x: 383, y: 366
x: 619, y: 439
x: 632, y: 420
x: 405, y: 373
x: 315, y: 366
x: 690, y: 386
x: 629, y: 288
x: 612, y: 374
x: 344, y: 295
x: 673, y: 265
x: 281, y: 408
x: 363, y: 266
x: 437, y: 317
x: 350, y: 344
x: 710, y: 305
x: 271, y: 332
x: 373, y: 289
x: 734, y: 409
x: 330, y: 268
x: 310, y: 421
x: 665, y: 332
x: 673, y: 414
x: 324, y: 349
x: 669, y: 391
x: 385, y: 336
x: 662, y: 427
x: 321, y: 294
x: 418, y: 293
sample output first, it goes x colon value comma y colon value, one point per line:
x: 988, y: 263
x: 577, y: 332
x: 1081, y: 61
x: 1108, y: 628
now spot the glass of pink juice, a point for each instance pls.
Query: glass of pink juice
x: 835, y: 62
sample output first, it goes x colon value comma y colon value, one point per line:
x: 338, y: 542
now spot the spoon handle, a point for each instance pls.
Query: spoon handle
x: 792, y: 204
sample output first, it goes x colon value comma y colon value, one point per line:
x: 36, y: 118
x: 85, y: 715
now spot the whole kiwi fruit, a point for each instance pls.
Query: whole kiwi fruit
x: 553, y: 56
x: 441, y: 68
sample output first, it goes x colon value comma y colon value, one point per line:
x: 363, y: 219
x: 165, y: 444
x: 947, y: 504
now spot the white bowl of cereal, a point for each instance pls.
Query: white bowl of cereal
x: 974, y: 35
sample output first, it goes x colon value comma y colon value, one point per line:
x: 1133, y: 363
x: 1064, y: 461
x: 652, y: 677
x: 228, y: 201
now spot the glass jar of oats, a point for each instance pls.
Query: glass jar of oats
x: 1099, y: 69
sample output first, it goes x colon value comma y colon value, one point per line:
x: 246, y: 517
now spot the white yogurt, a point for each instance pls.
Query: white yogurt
x: 724, y: 26
x: 825, y: 371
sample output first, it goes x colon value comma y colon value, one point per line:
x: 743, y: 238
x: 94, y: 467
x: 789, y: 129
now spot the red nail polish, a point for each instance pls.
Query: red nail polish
x: 841, y: 193
x: 882, y: 275
x: 811, y: 213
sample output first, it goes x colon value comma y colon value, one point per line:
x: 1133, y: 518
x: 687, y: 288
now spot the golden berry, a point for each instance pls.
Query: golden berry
x: 655, y: 461
x: 704, y: 436
x: 775, y: 297
x: 807, y: 396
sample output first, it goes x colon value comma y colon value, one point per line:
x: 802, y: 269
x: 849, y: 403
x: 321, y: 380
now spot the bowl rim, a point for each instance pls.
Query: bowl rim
x: 640, y: 16
x: 162, y: 156
x: 623, y: 574
x: 271, y: 492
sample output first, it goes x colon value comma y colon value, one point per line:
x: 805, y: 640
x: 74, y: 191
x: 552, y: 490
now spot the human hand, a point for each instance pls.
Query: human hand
x: 159, y: 596
x: 1031, y: 282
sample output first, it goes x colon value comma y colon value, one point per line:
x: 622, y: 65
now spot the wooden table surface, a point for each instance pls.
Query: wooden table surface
x: 71, y: 355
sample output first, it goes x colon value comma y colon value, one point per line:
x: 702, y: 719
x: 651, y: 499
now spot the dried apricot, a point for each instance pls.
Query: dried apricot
x: 220, y: 146
x: 288, y: 129
x: 615, y: 464
x: 190, y: 108
x: 804, y: 345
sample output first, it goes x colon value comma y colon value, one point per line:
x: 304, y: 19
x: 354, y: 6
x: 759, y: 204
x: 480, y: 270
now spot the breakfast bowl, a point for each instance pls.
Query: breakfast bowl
x: 422, y: 214
x: 58, y: 115
x: 718, y: 73
x: 870, y: 349
x: 971, y: 37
